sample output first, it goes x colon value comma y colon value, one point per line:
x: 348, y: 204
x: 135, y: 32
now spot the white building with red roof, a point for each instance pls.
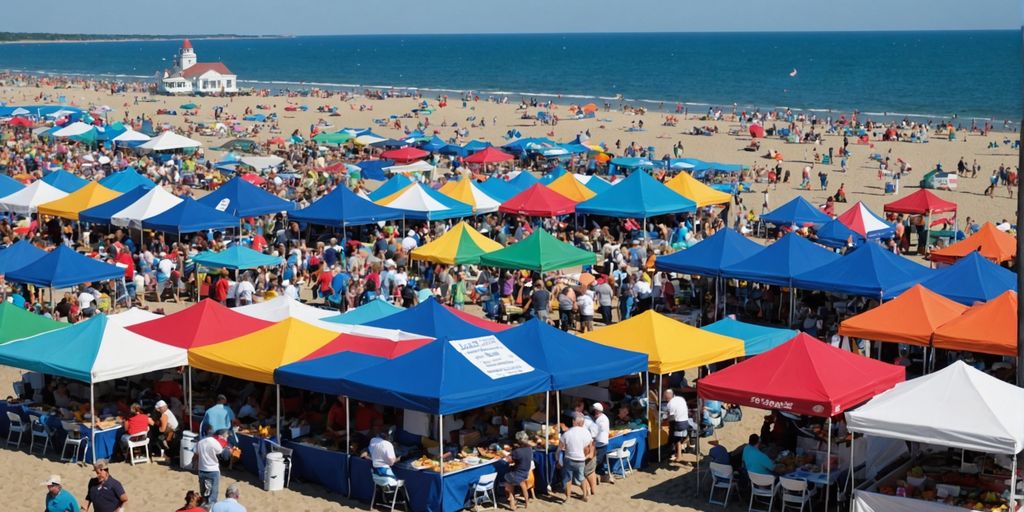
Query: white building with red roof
x: 188, y: 76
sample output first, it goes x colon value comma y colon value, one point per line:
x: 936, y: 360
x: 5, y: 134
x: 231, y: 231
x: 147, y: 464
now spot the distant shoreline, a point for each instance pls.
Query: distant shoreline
x: 137, y: 39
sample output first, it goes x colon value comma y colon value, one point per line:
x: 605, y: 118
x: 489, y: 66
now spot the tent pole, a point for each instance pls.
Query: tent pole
x: 348, y: 447
x: 853, y: 467
x: 92, y: 419
x: 547, y: 436
x: 660, y: 448
x: 1013, y: 483
x: 440, y: 452
x: 190, y: 400
x: 280, y: 437
x: 51, y: 300
x: 828, y: 463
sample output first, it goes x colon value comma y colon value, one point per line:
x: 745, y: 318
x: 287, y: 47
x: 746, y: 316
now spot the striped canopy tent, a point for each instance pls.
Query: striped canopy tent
x: 570, y: 187
x: 460, y: 245
x: 866, y: 223
x: 467, y: 191
x: 417, y: 201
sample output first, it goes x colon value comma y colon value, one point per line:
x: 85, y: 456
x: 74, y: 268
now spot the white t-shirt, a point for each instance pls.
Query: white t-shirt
x: 245, y: 291
x: 291, y: 291
x: 208, y: 450
x: 172, y: 420
x: 166, y: 266
x: 603, y: 427
x: 586, y: 304
x: 85, y: 300
x: 382, y: 452
x: 677, y: 410
x: 575, y: 441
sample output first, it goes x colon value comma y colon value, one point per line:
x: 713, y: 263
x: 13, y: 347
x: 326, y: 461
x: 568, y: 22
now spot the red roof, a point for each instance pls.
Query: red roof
x: 921, y: 202
x: 802, y: 376
x: 488, y: 155
x: 538, y: 201
x: 202, y: 67
x: 187, y: 45
x: 404, y: 155
x: 378, y: 347
x: 205, y: 323
x: 482, y: 323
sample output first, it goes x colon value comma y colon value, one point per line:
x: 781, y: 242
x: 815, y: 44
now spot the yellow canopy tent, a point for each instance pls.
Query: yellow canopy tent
x: 255, y: 356
x: 461, y: 244
x: 69, y: 206
x: 466, y: 191
x: 570, y: 187
x: 670, y: 346
x: 692, y: 189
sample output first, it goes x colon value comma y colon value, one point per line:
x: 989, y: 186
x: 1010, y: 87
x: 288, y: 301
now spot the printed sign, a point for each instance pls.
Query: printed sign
x: 491, y: 356
x: 223, y: 205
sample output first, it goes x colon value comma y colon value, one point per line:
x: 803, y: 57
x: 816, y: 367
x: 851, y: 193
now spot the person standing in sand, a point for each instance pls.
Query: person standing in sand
x: 230, y: 502
x: 58, y: 499
x: 105, y: 494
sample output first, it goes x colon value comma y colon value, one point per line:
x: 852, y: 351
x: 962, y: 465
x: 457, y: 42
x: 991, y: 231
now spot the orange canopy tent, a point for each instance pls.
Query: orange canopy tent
x: 910, y: 318
x: 996, y: 246
x: 989, y: 328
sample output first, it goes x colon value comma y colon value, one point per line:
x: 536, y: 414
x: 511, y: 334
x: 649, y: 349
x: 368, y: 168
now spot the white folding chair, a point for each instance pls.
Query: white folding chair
x: 622, y: 455
x: 287, y: 454
x: 762, y: 491
x: 390, y: 490
x: 74, y: 439
x: 795, y: 494
x: 16, y: 427
x: 138, y: 441
x: 39, y: 430
x: 483, y: 491
x: 721, y: 478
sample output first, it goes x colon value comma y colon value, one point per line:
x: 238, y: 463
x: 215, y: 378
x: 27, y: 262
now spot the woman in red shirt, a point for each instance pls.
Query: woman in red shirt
x: 136, y: 423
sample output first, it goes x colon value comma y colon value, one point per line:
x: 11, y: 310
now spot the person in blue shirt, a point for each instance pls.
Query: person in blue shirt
x: 755, y: 460
x: 57, y: 499
x: 218, y: 417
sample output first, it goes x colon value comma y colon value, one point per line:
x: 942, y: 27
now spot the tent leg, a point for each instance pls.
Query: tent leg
x: 828, y: 465
x: 440, y: 436
x: 660, y: 379
x: 1013, y: 483
x: 928, y: 231
x: 348, y: 448
x: 547, y: 436
x: 51, y: 300
x: 280, y: 437
x: 851, y: 487
x: 92, y: 419
x: 190, y: 400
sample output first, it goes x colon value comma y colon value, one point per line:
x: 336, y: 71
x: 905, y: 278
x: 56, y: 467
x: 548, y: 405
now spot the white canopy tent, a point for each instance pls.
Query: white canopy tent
x: 262, y: 163
x: 281, y: 308
x: 482, y: 203
x: 130, y: 135
x: 958, y: 407
x: 413, y: 198
x: 366, y: 140
x: 168, y: 141
x: 417, y: 166
x: 75, y: 128
x: 28, y: 199
x: 155, y: 202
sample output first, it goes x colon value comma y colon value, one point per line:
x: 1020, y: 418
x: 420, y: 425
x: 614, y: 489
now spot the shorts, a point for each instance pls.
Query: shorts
x: 590, y: 467
x: 573, y: 471
x: 512, y: 479
x: 680, y: 430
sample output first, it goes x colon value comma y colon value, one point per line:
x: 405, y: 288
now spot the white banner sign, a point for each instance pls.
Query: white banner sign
x: 491, y: 356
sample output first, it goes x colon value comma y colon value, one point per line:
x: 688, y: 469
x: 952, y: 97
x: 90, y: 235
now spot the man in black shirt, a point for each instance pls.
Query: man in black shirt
x: 105, y: 494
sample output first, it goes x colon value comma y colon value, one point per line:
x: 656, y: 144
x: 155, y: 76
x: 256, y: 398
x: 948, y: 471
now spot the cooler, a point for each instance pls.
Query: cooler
x: 273, y: 475
x: 188, y: 448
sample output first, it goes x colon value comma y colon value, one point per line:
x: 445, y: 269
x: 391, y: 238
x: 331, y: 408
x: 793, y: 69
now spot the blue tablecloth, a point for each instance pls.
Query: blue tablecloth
x: 816, y: 478
x: 252, y: 449
x: 319, y: 465
x: 546, y: 474
x: 426, y: 487
x: 636, y: 459
x: 106, y: 442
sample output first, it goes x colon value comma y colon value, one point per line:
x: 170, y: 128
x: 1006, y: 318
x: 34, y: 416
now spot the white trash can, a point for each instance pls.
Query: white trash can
x: 273, y: 473
x: 188, y: 448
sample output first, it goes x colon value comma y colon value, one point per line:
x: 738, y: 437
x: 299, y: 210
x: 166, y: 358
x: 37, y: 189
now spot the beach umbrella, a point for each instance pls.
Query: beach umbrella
x: 20, y: 122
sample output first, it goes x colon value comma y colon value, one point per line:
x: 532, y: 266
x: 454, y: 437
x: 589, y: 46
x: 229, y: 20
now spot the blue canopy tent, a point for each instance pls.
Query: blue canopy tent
x: 630, y: 163
x: 572, y: 361
x: 64, y: 181
x: 369, y: 312
x: 430, y: 318
x: 835, y: 234
x: 9, y: 185
x: 128, y: 179
x: 476, y: 145
x: 798, y: 211
x: 597, y: 185
x: 18, y: 256
x: 700, y: 168
x: 639, y: 196
x: 396, y: 183
x: 498, y: 189
x: 708, y: 257
x: 868, y: 270
x: 555, y: 173
x: 520, y: 146
x: 453, y: 150
x: 374, y: 169
x: 575, y: 148
x: 390, y: 144
x: 342, y: 207
x: 971, y: 279
x: 240, y: 198
x: 522, y: 181
x: 236, y: 257
x: 101, y: 213
x: 756, y: 338
x: 779, y: 262
x: 433, y: 145
x: 190, y: 216
x: 64, y: 267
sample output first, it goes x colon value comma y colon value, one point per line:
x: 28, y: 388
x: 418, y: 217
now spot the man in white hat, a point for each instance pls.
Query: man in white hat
x: 601, y: 439
x: 168, y: 426
x: 57, y: 499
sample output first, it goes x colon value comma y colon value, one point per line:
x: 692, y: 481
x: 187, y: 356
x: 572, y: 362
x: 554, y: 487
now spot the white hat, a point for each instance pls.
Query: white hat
x: 160, y: 403
x: 53, y: 480
x: 597, y: 407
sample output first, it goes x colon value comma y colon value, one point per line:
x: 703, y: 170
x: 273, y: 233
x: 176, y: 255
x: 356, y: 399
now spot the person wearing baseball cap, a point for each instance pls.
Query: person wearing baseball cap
x: 57, y: 499
x: 601, y: 439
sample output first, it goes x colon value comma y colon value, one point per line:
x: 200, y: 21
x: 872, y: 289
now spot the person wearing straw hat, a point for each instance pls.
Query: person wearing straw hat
x: 57, y: 498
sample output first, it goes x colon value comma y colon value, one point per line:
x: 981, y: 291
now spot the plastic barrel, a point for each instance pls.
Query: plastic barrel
x: 188, y: 448
x: 273, y: 476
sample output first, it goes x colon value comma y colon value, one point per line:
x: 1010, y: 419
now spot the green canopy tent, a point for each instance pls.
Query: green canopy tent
x: 332, y: 138
x: 16, y: 323
x: 539, y: 252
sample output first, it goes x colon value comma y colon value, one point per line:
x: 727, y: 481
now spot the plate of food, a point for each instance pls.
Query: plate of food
x: 424, y: 462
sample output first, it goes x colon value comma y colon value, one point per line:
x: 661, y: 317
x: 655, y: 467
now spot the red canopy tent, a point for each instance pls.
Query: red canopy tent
x: 922, y: 202
x: 488, y: 155
x: 404, y: 155
x: 22, y: 122
x: 756, y: 131
x: 205, y: 323
x: 367, y: 345
x: 538, y: 201
x: 255, y: 179
x: 802, y: 376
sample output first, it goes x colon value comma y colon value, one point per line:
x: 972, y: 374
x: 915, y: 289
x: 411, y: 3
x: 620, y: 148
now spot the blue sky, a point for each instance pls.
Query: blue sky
x: 486, y: 16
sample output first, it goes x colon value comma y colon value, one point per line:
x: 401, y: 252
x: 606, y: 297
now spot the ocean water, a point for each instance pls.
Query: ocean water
x: 932, y: 74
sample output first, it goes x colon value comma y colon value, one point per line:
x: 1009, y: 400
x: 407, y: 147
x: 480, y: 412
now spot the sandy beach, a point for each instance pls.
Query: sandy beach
x: 656, y: 488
